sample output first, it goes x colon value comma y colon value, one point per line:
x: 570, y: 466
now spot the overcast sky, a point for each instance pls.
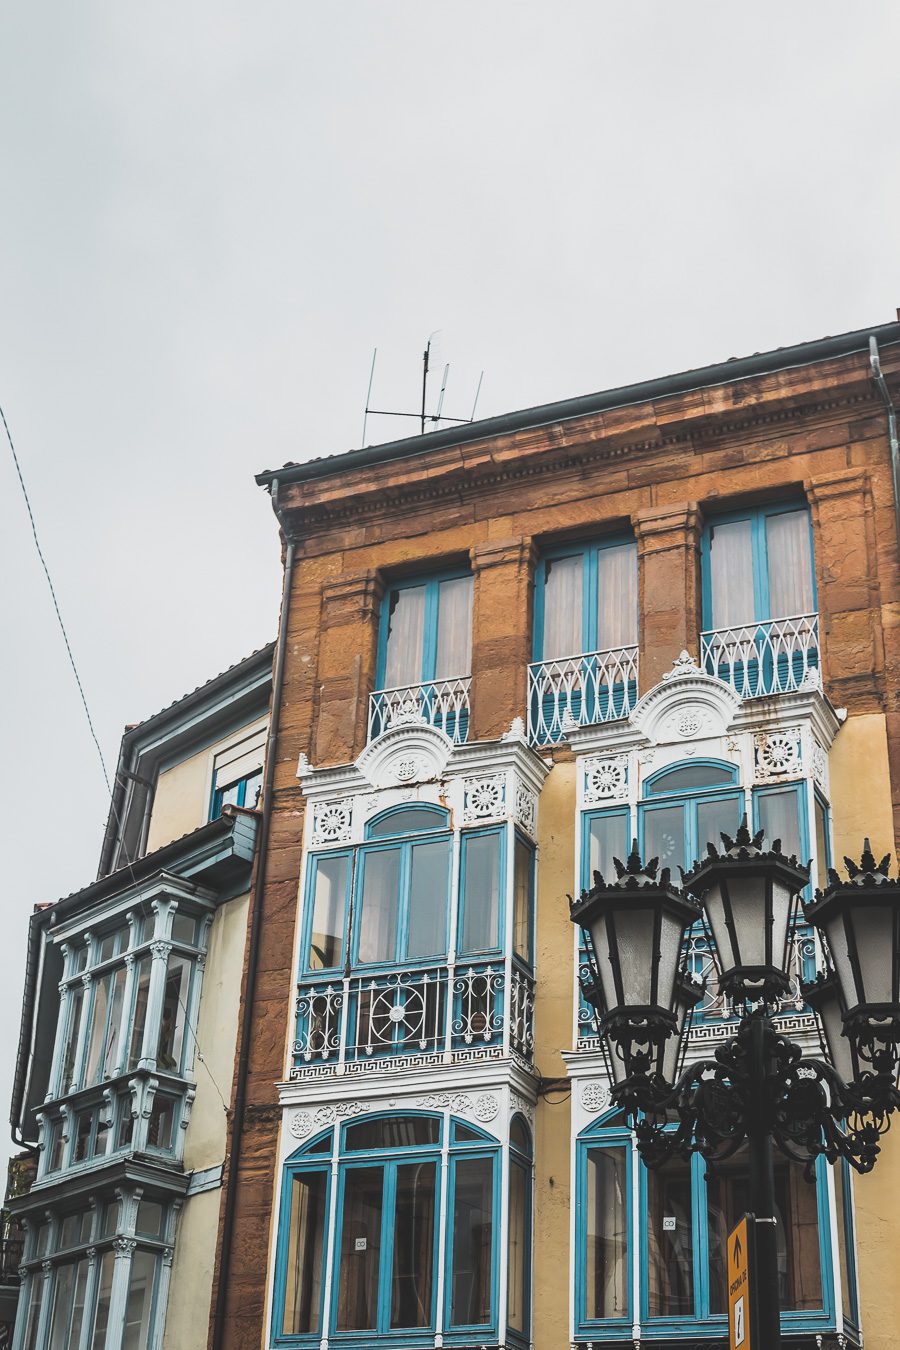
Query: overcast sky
x: 211, y: 213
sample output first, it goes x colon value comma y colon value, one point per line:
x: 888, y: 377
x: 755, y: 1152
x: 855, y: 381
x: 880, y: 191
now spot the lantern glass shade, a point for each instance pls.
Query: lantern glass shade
x: 749, y: 916
x: 825, y: 999
x: 623, y: 940
x: 687, y: 996
x: 873, y: 926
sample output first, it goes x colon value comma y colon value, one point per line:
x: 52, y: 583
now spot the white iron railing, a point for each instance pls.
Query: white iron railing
x: 579, y: 691
x: 774, y: 656
x: 454, y: 1012
x: 439, y: 703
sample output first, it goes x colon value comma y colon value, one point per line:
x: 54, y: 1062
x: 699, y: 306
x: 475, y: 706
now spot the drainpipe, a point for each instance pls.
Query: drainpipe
x: 240, y: 1090
x: 881, y: 384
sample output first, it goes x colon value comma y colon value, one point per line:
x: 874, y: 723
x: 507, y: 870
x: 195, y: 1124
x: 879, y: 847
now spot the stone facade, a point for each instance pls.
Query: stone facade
x: 657, y: 467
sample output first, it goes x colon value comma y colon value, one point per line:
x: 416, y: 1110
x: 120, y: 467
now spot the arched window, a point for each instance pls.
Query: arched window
x: 363, y: 1262
x: 685, y: 807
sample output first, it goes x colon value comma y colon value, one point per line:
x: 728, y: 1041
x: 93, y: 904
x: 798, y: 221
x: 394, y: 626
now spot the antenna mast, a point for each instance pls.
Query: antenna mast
x: 423, y: 417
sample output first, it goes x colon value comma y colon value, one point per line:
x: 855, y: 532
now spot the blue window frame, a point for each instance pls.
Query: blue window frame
x: 670, y: 1226
x: 240, y: 792
x: 379, y: 1254
x: 757, y: 564
x: 586, y: 599
x: 685, y: 806
x: 425, y: 632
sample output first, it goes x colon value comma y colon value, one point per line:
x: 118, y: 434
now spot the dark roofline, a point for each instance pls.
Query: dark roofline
x: 726, y: 372
x: 262, y: 657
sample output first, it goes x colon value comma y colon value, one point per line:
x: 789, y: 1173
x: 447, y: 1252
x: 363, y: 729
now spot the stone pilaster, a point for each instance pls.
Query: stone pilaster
x: 501, y: 634
x: 351, y: 608
x: 668, y: 540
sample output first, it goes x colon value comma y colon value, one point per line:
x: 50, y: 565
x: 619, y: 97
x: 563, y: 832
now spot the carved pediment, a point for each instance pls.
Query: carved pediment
x: 686, y: 705
x: 405, y: 754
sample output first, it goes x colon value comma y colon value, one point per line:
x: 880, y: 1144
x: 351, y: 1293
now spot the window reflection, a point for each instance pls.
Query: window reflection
x: 670, y: 1274
x: 607, y: 1233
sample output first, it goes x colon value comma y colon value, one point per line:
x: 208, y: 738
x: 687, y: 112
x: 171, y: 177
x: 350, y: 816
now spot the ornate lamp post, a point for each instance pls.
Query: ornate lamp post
x: 759, y: 1087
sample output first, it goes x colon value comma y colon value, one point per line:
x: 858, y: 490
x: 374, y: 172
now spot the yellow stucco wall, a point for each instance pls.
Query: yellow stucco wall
x: 861, y: 805
x: 181, y: 800
x: 192, y: 1271
x: 553, y: 1015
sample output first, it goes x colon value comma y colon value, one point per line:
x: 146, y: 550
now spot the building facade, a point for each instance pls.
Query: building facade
x: 127, y: 1041
x: 506, y: 651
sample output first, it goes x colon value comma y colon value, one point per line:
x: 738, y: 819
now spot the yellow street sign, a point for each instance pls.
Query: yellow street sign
x: 740, y: 1286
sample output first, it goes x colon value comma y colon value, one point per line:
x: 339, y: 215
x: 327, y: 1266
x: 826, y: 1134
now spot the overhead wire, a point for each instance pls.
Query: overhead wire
x: 90, y: 720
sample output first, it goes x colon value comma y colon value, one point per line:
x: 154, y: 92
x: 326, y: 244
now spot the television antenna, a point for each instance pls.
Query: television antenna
x: 422, y: 416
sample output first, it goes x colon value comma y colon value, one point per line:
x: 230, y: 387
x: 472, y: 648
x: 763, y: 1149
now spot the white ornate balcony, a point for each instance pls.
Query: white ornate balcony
x: 774, y: 656
x: 438, y: 703
x: 580, y: 691
x: 441, y: 1014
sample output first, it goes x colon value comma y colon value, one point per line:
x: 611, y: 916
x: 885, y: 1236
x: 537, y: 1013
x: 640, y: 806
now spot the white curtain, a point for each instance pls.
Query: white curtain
x: 454, y: 635
x: 790, y: 565
x: 731, y: 574
x: 563, y: 634
x: 378, y: 910
x: 406, y: 630
x: 617, y: 597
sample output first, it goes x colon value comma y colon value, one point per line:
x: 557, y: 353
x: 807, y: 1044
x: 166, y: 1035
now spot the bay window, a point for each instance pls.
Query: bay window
x: 654, y: 1253
x: 364, y: 1262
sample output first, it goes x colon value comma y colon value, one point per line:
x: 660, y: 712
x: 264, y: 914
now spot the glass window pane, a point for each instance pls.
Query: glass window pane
x: 98, y: 1027
x: 413, y: 1270
x: 519, y: 1137
x: 303, y: 1265
x: 617, y: 597
x: 36, y: 1284
x: 162, y: 1119
x: 454, y: 635
x: 481, y: 893
x: 731, y: 573
x: 252, y: 789
x: 845, y: 1240
x: 82, y: 1136
x: 379, y: 903
x: 607, y: 839
x: 64, y: 1285
x: 607, y: 1233
x: 142, y: 989
x: 687, y: 777
x: 149, y: 1218
x: 406, y: 637
x: 76, y: 1003
x: 563, y: 608
x: 715, y: 817
x: 428, y: 894
x: 664, y: 836
x: 670, y: 1273
x: 170, y: 1048
x: 360, y: 1249
x: 470, y: 1303
x: 522, y: 899
x: 326, y: 943
x: 110, y: 1218
x: 104, y: 1292
x: 140, y: 1300
x: 393, y: 1132
x: 790, y: 564
x: 778, y: 816
x: 823, y: 853
x: 410, y: 821
x: 184, y: 929
x: 78, y: 1300
x: 517, y: 1281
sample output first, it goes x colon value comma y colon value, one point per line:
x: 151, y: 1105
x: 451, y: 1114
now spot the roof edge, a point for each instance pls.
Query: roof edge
x: 724, y: 372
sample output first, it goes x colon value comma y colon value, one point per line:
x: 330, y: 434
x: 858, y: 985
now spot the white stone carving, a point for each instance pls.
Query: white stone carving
x: 605, y: 778
x: 485, y: 1107
x: 460, y: 1103
x: 516, y: 731
x: 332, y: 821
x: 519, y: 1103
x: 820, y: 766
x: 327, y: 1115
x: 404, y: 754
x: 408, y: 712
x: 303, y: 766
x: 686, y: 703
x: 301, y: 1124
x: 776, y: 754
x: 484, y: 798
x: 526, y: 807
x: 812, y: 680
x: 595, y: 1097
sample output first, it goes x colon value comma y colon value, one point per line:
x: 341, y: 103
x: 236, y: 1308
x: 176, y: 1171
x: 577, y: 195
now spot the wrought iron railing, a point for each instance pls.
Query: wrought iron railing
x: 774, y: 656
x: 449, y: 1012
x: 579, y: 691
x: 11, y: 1258
x: 439, y: 703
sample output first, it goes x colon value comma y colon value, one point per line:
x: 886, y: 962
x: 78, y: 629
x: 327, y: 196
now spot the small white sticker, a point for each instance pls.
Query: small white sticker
x: 669, y: 1223
x: 361, y: 1244
x: 739, y: 1321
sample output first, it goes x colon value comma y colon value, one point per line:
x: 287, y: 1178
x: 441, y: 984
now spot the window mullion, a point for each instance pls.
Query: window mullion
x: 833, y: 1277
x: 701, y: 1237
x: 430, y: 631
x: 761, y: 606
x: 443, y: 1219
x: 590, y: 621
x: 635, y: 1246
x: 386, y: 1255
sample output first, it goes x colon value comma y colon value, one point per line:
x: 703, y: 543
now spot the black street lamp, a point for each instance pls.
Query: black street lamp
x: 759, y: 1087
